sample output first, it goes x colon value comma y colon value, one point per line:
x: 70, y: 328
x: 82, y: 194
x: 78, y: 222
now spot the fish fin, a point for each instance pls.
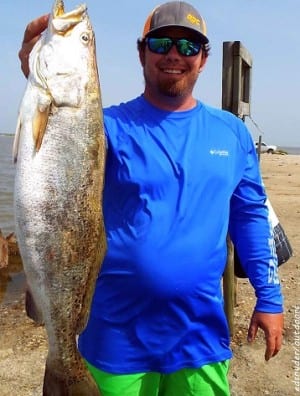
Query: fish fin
x: 39, y: 124
x: 17, y: 140
x: 58, y: 9
x: 32, y: 309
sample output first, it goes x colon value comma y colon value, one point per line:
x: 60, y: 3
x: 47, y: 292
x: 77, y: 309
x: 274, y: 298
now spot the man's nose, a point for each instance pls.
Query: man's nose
x: 173, y: 52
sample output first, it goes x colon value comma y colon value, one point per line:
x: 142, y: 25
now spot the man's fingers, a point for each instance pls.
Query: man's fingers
x: 272, y: 325
x: 273, y: 346
x: 252, y: 331
x: 24, y: 55
x: 270, y: 348
x: 31, y: 36
x: 35, y: 28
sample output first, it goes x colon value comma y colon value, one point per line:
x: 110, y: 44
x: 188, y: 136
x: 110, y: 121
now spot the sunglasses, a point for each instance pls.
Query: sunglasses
x: 162, y: 45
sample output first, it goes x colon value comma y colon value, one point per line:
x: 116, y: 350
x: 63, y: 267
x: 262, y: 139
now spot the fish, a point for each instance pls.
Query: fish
x: 59, y: 151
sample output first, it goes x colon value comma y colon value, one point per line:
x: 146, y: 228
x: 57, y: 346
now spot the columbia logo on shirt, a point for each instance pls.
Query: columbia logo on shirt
x: 221, y: 153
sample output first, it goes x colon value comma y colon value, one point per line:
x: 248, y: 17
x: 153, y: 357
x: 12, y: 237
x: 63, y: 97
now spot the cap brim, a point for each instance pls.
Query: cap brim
x: 202, y: 37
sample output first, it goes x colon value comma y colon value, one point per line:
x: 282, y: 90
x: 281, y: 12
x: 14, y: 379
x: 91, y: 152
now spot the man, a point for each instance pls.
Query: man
x: 179, y: 175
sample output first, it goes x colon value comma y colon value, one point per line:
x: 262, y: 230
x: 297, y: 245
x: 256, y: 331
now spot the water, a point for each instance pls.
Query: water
x: 12, y: 279
x: 291, y: 150
x: 7, y: 172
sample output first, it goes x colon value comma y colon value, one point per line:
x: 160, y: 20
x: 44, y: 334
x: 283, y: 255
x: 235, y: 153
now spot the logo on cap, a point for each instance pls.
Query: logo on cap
x: 191, y: 18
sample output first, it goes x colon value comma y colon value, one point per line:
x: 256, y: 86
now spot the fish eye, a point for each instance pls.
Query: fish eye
x: 85, y: 38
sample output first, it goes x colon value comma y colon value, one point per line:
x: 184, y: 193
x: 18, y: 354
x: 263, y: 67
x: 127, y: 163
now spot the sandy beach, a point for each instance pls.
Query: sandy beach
x: 23, y: 345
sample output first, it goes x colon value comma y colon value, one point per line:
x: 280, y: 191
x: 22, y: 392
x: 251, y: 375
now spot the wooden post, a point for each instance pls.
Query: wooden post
x: 258, y: 149
x: 229, y: 286
x: 236, y: 79
x: 236, y: 84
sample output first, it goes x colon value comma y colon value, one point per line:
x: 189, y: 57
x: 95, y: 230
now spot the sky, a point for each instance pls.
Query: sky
x: 268, y: 29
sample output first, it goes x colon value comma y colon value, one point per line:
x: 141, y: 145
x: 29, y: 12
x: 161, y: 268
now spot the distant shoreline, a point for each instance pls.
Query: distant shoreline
x: 291, y: 150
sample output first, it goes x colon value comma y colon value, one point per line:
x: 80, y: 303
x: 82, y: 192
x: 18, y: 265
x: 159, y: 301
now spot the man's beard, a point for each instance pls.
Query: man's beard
x: 175, y: 88
x: 172, y: 88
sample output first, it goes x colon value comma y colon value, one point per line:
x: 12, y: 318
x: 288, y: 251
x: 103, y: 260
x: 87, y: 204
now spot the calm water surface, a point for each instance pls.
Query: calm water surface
x: 7, y: 171
x: 12, y: 280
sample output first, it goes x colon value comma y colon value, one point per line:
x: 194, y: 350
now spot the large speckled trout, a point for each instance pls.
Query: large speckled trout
x: 60, y: 153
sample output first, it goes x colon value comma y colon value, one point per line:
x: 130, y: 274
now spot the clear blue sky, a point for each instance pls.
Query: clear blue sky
x: 269, y: 29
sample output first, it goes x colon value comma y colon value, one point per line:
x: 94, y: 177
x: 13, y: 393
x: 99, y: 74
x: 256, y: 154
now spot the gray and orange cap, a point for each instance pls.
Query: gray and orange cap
x: 176, y: 13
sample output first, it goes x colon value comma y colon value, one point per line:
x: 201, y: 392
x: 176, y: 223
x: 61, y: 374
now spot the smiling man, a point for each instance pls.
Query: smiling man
x: 173, y: 51
x: 179, y: 175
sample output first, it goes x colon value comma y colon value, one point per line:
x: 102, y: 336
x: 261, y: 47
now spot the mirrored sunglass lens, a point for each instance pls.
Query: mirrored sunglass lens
x: 163, y: 45
x: 159, y: 45
x: 188, y: 48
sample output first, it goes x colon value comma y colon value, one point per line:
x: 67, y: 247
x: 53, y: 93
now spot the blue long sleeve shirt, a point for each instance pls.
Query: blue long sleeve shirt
x: 176, y: 183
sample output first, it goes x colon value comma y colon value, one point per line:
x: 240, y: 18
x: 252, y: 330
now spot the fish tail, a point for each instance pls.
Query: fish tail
x: 59, y: 383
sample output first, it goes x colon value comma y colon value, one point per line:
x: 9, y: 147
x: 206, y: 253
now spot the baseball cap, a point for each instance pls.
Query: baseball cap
x: 175, y: 13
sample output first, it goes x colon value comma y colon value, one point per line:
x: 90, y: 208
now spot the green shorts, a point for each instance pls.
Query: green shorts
x: 209, y: 380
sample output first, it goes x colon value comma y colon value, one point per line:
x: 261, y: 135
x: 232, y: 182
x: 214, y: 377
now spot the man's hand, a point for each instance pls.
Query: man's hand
x: 272, y: 325
x: 31, y: 36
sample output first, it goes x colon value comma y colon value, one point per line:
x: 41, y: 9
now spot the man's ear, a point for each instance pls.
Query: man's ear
x: 203, y: 63
x: 142, y: 56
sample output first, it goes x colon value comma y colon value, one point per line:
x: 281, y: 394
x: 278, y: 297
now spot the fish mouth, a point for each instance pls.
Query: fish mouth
x: 62, y: 21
